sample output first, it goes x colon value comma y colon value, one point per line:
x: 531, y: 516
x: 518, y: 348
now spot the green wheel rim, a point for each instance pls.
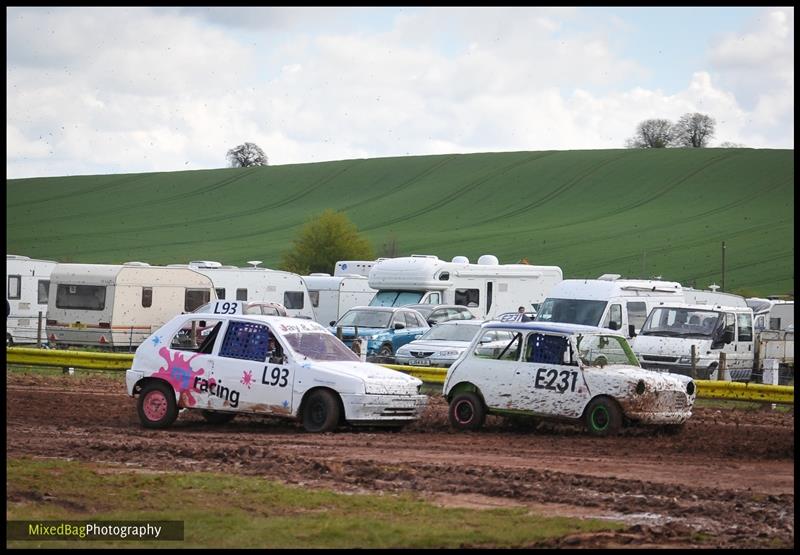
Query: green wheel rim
x: 600, y: 418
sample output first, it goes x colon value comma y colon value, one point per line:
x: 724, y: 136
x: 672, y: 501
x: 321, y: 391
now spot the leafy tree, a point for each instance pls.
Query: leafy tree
x: 323, y: 241
x: 246, y: 155
x: 652, y: 133
x: 693, y: 130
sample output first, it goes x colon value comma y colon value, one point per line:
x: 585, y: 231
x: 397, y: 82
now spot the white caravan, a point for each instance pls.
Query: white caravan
x: 354, y: 267
x: 666, y: 340
x: 332, y: 296
x: 487, y: 288
x: 119, y: 305
x: 27, y: 288
x: 772, y: 314
x: 608, y: 302
x: 254, y: 283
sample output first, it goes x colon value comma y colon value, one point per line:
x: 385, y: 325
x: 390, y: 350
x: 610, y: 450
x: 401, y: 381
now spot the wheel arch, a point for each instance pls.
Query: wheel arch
x: 309, y: 392
x: 138, y: 386
x: 603, y: 396
x: 465, y: 387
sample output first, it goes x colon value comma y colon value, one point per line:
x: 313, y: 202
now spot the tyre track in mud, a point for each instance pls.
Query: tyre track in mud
x: 738, y: 499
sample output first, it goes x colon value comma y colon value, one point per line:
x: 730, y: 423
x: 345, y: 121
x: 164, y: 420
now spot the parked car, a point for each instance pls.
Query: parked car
x: 438, y: 313
x: 386, y: 328
x: 443, y: 344
x: 266, y: 308
x: 564, y: 372
x: 276, y: 366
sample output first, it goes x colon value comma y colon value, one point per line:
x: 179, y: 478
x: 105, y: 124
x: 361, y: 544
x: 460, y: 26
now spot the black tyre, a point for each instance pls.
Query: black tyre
x: 673, y: 429
x: 156, y: 406
x: 466, y: 412
x: 214, y: 417
x: 385, y: 353
x: 603, y: 417
x: 321, y: 411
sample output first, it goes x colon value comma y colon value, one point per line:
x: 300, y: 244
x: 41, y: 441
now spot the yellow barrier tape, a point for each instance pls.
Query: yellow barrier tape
x: 764, y: 393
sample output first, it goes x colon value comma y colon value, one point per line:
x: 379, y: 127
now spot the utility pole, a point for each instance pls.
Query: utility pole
x: 723, y: 266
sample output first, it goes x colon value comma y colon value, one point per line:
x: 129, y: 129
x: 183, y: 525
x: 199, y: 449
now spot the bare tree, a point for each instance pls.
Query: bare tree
x: 651, y: 133
x: 693, y: 130
x: 247, y: 155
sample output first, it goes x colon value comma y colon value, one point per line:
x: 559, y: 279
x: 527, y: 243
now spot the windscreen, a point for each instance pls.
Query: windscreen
x: 443, y: 332
x: 366, y: 319
x: 681, y: 322
x: 390, y: 297
x: 571, y: 311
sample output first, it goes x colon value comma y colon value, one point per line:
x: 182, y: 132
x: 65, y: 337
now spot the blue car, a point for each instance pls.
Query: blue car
x: 386, y: 328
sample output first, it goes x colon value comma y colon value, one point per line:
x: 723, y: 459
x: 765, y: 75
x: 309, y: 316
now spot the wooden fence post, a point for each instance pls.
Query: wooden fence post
x: 723, y: 366
x: 694, y: 362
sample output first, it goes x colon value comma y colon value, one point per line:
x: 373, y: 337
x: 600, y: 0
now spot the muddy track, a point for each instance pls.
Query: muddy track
x: 728, y: 476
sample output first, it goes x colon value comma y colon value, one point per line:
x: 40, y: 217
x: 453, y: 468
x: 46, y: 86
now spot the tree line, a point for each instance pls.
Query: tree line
x: 692, y: 130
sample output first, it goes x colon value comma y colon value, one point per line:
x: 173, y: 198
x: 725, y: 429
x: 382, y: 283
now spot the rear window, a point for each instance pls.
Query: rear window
x: 81, y: 297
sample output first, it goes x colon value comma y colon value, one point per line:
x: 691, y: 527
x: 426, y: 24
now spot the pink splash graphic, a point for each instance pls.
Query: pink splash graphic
x: 247, y: 378
x: 179, y: 374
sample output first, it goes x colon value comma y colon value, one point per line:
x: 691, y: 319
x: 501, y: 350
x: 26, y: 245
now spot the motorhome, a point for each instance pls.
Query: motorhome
x: 119, y: 306
x: 608, y: 302
x: 713, y: 297
x: 486, y: 288
x: 669, y: 333
x: 332, y: 296
x: 354, y: 267
x: 256, y: 283
x: 27, y: 288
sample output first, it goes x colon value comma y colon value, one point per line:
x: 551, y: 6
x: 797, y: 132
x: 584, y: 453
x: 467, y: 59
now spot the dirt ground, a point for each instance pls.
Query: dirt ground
x: 727, y: 480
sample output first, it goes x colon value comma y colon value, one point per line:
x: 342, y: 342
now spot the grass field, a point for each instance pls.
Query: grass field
x: 638, y: 213
x: 222, y: 510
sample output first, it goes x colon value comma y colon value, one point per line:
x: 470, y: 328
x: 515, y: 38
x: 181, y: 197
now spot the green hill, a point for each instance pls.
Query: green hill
x: 638, y: 213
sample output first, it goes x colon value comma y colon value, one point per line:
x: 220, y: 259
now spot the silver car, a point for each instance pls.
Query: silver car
x: 444, y: 343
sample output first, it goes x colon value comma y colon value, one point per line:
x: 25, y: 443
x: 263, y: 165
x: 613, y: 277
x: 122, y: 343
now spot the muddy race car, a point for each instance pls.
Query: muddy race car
x: 563, y: 372
x: 225, y: 364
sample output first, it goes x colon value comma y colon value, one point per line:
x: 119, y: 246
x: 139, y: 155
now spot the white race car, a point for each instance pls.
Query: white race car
x: 271, y: 365
x: 563, y: 372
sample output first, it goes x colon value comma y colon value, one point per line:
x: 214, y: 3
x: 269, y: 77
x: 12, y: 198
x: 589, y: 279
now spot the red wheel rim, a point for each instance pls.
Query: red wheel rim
x: 155, y: 405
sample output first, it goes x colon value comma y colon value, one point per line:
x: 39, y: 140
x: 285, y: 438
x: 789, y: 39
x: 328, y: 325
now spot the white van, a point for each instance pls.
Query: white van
x: 233, y: 283
x: 27, y: 288
x: 608, y: 302
x: 119, y: 305
x: 332, y: 296
x: 666, y: 340
x: 487, y: 288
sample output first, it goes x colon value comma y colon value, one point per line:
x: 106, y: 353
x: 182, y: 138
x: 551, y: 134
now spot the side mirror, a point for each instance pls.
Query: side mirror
x: 614, y: 325
x: 333, y: 323
x: 727, y: 336
x: 431, y: 323
x: 399, y: 326
x: 631, y: 330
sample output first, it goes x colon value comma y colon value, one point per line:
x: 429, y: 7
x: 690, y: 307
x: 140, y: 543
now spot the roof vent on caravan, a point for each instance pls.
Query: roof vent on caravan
x: 488, y: 260
x: 255, y: 263
x: 433, y: 256
x: 205, y: 263
x: 135, y: 263
x: 460, y: 260
x: 610, y: 277
x: 17, y: 257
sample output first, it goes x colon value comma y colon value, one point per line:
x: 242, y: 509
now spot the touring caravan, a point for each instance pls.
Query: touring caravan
x: 772, y: 314
x: 713, y: 297
x: 488, y: 288
x: 332, y: 296
x: 608, y: 302
x: 27, y: 288
x: 255, y: 283
x: 119, y: 306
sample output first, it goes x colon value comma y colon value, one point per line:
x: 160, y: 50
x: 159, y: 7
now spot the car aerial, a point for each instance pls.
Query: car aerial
x: 269, y: 365
x: 564, y: 372
x: 386, y: 328
x: 443, y: 344
x: 438, y: 313
x: 266, y: 308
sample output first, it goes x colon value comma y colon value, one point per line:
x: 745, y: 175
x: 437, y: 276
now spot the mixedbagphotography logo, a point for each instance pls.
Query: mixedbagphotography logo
x: 129, y: 530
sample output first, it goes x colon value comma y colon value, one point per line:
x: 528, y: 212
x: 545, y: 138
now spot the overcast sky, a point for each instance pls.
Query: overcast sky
x: 123, y: 90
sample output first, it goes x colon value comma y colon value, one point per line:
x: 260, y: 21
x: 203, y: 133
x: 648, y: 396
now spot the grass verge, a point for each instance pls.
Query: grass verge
x: 221, y: 510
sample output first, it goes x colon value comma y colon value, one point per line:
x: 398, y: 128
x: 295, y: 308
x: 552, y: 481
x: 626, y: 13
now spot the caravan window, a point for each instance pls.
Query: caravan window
x: 293, y: 299
x: 745, y: 327
x: 147, y: 297
x: 220, y: 293
x: 241, y: 294
x: 637, y: 314
x: 314, y: 295
x: 468, y: 297
x: 81, y: 297
x: 195, y: 298
x: 44, y: 291
x: 13, y: 287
